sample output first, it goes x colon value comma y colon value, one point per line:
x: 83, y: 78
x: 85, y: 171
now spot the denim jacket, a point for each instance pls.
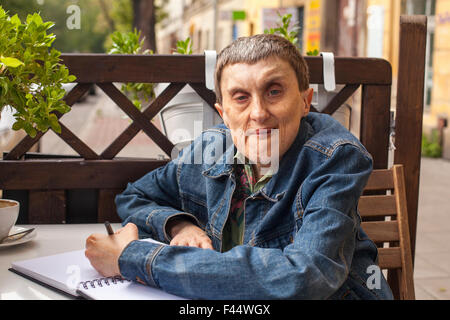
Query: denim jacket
x: 302, y: 236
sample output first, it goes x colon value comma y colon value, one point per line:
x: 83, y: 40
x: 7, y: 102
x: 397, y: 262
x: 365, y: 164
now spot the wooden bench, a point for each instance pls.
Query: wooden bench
x: 54, y: 187
x: 391, y: 231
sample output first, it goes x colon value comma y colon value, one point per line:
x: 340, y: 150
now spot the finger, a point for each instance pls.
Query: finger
x: 120, y: 230
x: 201, y: 243
x: 186, y: 243
x: 177, y: 242
x: 206, y: 245
x: 131, y: 228
x: 90, y: 241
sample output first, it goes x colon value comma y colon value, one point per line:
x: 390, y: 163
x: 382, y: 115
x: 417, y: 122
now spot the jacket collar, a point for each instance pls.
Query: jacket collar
x: 225, y: 164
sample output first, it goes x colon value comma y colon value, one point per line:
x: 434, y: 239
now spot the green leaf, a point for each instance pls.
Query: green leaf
x: 315, y: 52
x: 62, y: 108
x: 30, y: 130
x: 184, y: 47
x: 4, y: 85
x: 11, y: 62
x: 17, y: 125
x: 15, y: 20
x: 54, y: 123
x: 71, y: 78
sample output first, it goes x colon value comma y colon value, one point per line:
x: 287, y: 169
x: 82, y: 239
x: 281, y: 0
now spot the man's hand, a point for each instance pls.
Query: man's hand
x: 185, y: 233
x: 103, y: 251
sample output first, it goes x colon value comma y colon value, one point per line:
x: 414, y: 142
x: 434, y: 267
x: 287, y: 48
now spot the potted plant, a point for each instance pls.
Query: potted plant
x: 31, y: 75
x: 31, y: 80
x: 129, y: 43
x: 187, y: 114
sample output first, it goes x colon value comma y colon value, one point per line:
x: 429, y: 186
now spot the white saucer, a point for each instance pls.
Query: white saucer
x: 24, y: 239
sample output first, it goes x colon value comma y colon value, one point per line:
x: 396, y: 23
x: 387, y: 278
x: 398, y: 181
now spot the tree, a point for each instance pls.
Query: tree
x: 144, y: 20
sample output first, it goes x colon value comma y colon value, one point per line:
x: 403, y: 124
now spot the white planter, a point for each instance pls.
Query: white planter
x: 321, y: 99
x: 185, y: 116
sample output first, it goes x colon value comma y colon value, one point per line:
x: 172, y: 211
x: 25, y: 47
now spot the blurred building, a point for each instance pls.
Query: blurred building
x: 383, y: 19
x: 170, y: 30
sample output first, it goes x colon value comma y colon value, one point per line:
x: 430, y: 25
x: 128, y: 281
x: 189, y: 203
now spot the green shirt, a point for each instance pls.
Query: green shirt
x: 246, y: 185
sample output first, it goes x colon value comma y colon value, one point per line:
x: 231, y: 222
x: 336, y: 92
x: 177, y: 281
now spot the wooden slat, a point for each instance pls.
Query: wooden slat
x: 409, y: 114
x: 206, y: 94
x: 103, y: 68
x: 376, y: 206
x: 128, y: 134
x: 339, y: 99
x: 389, y: 258
x: 353, y: 70
x: 381, y: 231
x: 375, y: 123
x: 77, y: 92
x: 26, y: 143
x: 380, y: 179
x: 76, y: 143
x: 46, y: 206
x: 312, y: 109
x: 73, y: 173
x: 407, y: 289
x: 127, y: 106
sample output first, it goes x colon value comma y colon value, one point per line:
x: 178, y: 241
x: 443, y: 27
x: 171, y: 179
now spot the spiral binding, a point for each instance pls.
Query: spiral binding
x: 102, y: 281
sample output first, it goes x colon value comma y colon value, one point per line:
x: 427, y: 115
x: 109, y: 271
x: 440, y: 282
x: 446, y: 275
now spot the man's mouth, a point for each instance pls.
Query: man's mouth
x: 260, y: 131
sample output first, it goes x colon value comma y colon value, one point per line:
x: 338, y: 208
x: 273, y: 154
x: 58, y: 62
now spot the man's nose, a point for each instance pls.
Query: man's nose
x: 259, y: 112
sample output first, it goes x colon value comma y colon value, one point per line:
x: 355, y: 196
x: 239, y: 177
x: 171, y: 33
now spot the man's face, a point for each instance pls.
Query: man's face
x: 259, y: 98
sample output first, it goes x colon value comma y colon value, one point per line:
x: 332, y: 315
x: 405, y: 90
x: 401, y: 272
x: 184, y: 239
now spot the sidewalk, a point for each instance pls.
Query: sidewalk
x: 432, y: 261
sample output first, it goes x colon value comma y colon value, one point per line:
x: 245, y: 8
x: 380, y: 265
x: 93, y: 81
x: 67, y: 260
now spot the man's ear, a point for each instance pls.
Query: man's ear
x: 308, y: 96
x: 219, y: 109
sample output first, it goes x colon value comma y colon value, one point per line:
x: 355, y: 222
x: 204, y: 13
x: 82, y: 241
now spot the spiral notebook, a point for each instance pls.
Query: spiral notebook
x: 72, y: 274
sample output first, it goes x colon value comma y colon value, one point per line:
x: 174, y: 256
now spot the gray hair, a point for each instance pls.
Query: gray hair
x: 253, y: 49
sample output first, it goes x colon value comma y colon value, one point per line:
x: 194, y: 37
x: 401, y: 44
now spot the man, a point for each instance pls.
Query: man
x: 273, y: 216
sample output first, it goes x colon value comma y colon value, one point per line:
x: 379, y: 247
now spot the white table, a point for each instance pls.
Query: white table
x: 50, y: 239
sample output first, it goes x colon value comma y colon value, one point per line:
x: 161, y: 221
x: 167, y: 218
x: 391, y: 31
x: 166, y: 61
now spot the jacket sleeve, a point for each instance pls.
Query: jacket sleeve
x: 151, y: 201
x: 313, y: 266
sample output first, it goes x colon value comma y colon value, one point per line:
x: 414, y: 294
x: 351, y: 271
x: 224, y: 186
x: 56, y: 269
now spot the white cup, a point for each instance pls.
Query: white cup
x: 9, y: 212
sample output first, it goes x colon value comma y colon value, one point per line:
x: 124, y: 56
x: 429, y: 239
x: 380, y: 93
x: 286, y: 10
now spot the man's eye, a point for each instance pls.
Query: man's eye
x: 241, y: 98
x: 274, y: 92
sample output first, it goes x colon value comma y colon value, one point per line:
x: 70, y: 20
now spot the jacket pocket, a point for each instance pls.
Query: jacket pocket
x: 195, y: 207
